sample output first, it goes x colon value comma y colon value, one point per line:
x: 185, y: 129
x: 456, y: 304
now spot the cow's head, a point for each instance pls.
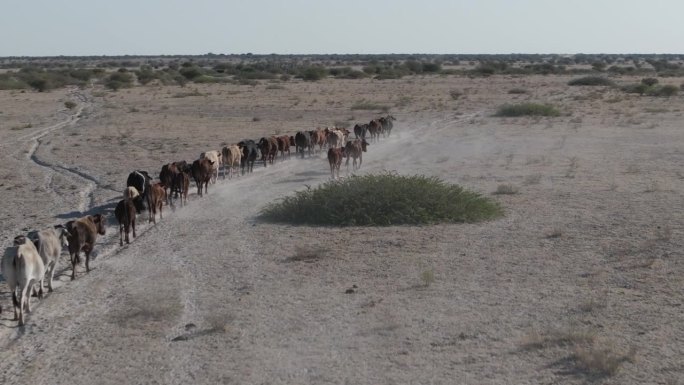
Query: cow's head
x: 19, y: 240
x: 364, y: 144
x: 99, y: 220
x: 63, y: 235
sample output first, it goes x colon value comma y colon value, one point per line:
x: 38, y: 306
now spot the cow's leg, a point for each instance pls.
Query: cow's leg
x: 51, y: 274
x: 24, y: 298
x: 121, y: 231
x: 74, y: 258
x: 161, y: 204
x: 87, y: 261
x: 15, y: 304
x: 41, y: 291
x: 133, y: 226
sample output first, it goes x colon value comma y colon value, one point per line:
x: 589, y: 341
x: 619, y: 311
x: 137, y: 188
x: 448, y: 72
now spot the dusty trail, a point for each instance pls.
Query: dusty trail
x: 183, y: 294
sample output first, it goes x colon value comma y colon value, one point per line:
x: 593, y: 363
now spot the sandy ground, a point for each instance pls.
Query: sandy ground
x: 587, y: 258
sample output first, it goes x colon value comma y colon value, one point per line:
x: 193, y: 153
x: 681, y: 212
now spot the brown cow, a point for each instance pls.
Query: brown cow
x: 125, y: 215
x: 318, y: 139
x: 181, y: 186
x: 167, y: 176
x: 155, y: 200
x: 82, y: 236
x: 375, y: 129
x: 269, y: 149
x: 202, y: 170
x: 335, y: 156
x: 355, y: 149
x: 284, y: 145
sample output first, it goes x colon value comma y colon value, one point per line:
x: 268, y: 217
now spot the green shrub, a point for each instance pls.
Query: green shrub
x: 119, y: 79
x: 649, y: 81
x: 591, y: 81
x: 635, y: 88
x: 314, y: 73
x: 666, y: 91
x: 527, y: 109
x: 382, y: 200
x: 517, y: 91
x: 70, y: 104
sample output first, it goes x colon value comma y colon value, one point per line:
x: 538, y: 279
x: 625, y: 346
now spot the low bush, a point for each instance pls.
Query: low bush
x: 591, y: 81
x: 382, y: 200
x: 527, y: 109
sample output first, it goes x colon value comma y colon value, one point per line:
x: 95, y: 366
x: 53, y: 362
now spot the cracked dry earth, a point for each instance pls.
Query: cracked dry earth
x: 587, y: 259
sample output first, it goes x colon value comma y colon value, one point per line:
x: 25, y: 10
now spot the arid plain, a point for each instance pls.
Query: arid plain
x: 580, y: 281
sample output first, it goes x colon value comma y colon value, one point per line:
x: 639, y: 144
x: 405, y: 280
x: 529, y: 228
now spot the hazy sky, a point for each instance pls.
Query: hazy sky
x: 149, y: 27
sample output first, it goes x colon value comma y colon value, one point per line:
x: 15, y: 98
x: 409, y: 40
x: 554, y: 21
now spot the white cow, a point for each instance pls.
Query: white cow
x: 49, y: 243
x: 232, y: 156
x: 215, y: 157
x: 22, y: 267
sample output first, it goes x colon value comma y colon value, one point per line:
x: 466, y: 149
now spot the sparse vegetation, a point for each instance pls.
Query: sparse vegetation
x: 591, y: 81
x: 364, y: 104
x: 527, y: 109
x: 390, y: 199
x: 518, y: 91
x: 506, y: 189
x: 601, y: 360
x: 70, y: 104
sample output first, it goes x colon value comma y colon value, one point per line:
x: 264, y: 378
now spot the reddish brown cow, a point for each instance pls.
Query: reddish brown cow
x: 374, y: 129
x: 125, y: 215
x: 181, y: 186
x: 167, y: 176
x: 155, y: 200
x: 335, y: 156
x: 202, y: 170
x: 284, y: 145
x: 355, y: 149
x: 82, y: 236
x: 269, y: 149
x: 318, y: 139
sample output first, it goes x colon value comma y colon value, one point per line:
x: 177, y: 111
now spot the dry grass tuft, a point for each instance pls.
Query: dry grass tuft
x: 560, y: 337
x: 506, y: 189
x: 308, y: 254
x: 601, y: 360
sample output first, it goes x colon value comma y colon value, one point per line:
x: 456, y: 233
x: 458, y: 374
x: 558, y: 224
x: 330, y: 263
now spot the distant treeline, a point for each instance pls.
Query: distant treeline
x: 45, y: 73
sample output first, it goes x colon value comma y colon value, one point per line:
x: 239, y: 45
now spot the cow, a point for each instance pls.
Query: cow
x: 181, y: 186
x: 82, y: 236
x: 355, y: 149
x: 166, y: 176
x: 215, y: 157
x: 202, y: 171
x: 125, y: 215
x: 22, y: 267
x: 249, y: 151
x: 318, y: 139
x: 375, y: 129
x: 284, y: 145
x: 131, y: 193
x: 49, y: 243
x: 386, y: 122
x: 141, y: 180
x: 360, y: 131
x: 335, y: 155
x: 336, y: 138
x: 155, y: 200
x: 269, y: 149
x: 303, y: 142
x: 231, y: 156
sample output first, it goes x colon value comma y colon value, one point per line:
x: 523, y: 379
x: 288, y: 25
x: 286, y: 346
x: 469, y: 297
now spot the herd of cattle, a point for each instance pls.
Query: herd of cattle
x: 31, y: 256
